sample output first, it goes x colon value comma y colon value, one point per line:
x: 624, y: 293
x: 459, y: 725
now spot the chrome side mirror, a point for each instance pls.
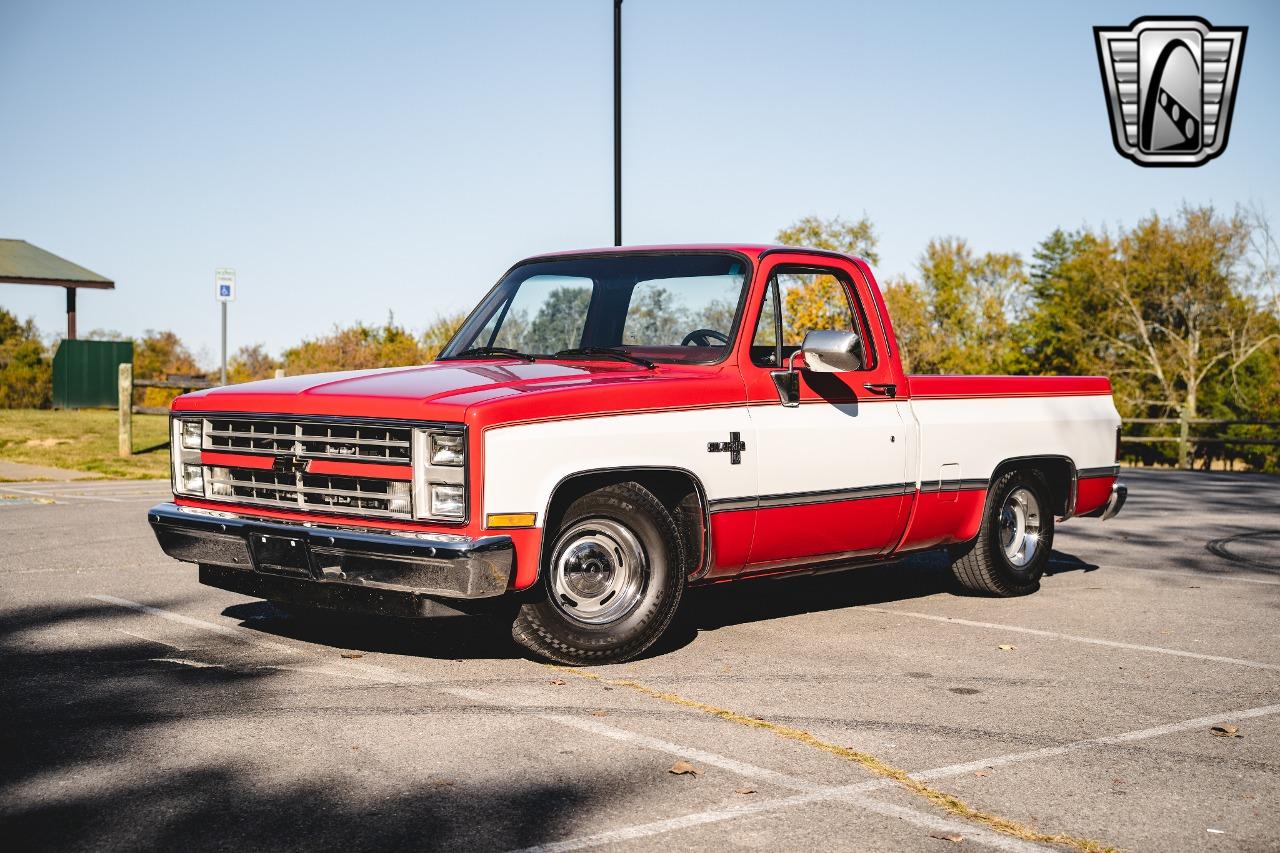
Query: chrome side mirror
x: 832, y: 352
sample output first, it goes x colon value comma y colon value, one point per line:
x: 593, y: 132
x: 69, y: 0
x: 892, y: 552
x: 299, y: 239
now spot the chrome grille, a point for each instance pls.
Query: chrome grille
x: 311, y: 439
x: 368, y: 496
x: 307, y: 439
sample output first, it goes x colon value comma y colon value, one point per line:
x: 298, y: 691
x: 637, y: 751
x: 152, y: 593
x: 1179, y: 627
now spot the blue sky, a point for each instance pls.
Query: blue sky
x: 351, y: 160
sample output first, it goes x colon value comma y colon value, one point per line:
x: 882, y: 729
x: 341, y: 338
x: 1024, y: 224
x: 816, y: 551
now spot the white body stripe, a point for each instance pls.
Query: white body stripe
x: 816, y: 447
x: 810, y: 448
x: 523, y: 464
x: 978, y: 434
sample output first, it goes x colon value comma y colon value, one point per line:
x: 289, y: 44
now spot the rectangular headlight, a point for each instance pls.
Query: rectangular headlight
x: 439, y: 487
x: 448, y: 501
x: 184, y: 451
x: 447, y: 448
x: 191, y: 435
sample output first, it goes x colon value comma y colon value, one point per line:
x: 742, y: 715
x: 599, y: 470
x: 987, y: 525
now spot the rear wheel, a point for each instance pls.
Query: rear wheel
x: 612, y: 582
x: 1012, y: 548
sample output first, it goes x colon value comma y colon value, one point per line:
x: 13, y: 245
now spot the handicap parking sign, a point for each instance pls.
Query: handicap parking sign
x: 224, y: 281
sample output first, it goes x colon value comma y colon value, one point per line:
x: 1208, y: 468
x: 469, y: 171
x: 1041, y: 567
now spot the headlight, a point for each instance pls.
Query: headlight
x: 439, y: 488
x: 184, y: 449
x: 448, y: 501
x: 446, y: 448
x: 191, y: 434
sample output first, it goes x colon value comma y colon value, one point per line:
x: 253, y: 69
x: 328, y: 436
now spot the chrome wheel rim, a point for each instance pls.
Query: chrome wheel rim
x: 1020, y: 527
x: 599, y: 572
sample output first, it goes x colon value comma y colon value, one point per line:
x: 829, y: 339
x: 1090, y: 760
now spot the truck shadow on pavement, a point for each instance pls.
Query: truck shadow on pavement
x: 703, y: 609
x: 110, y: 744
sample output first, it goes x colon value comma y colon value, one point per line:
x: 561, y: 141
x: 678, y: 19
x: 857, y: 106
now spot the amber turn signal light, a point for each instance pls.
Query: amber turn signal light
x: 510, y: 519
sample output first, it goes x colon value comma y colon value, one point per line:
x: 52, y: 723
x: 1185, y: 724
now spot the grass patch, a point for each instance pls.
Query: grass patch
x: 84, y: 440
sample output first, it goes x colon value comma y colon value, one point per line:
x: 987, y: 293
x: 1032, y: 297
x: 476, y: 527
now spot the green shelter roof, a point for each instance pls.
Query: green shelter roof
x: 23, y: 263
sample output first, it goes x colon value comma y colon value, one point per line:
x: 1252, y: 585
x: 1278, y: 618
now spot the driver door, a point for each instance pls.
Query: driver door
x: 832, y: 470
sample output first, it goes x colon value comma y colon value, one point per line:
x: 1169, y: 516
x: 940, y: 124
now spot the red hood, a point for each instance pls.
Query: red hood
x: 445, y: 391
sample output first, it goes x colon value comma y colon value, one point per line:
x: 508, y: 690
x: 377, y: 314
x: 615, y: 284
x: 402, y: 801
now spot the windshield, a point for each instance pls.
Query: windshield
x: 677, y: 307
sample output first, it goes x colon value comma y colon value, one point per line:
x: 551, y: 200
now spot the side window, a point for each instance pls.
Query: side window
x: 546, y: 314
x: 807, y: 299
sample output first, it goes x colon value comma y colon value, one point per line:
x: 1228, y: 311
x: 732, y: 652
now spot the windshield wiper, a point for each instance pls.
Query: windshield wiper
x: 613, y: 352
x: 481, y: 352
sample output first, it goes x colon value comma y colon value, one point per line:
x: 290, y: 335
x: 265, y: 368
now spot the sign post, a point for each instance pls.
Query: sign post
x: 224, y: 286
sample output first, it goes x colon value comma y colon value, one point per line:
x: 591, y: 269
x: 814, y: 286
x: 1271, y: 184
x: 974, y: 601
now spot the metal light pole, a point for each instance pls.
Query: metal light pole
x: 617, y: 122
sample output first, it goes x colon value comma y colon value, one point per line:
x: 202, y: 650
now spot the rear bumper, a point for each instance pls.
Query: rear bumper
x: 1119, y: 494
x: 339, y: 567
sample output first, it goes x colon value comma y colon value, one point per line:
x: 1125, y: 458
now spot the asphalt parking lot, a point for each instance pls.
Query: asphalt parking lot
x: 143, y: 711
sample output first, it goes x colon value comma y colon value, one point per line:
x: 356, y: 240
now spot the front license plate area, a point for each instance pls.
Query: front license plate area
x: 280, y: 555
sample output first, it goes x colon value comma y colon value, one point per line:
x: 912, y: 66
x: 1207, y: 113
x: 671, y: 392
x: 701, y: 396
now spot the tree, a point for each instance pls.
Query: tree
x: 250, y: 363
x: 1174, y: 310
x: 160, y: 355
x: 963, y: 314
x: 26, y: 370
x: 440, y: 332
x: 357, y: 347
x: 834, y: 235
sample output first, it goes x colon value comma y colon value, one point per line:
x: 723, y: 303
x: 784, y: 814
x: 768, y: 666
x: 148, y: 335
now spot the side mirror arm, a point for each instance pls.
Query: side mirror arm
x: 788, y: 383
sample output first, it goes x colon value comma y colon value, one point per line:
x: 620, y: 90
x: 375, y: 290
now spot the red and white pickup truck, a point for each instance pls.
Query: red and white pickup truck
x: 609, y: 427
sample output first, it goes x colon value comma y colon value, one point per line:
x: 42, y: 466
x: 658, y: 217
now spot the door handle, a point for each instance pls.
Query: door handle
x: 887, y: 389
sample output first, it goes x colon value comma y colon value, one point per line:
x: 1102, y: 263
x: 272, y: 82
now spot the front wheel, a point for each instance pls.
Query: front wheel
x: 612, y: 582
x: 1014, y: 540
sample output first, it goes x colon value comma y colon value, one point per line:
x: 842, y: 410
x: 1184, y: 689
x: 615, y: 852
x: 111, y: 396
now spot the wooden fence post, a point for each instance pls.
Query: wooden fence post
x: 125, y: 390
x: 1184, y: 444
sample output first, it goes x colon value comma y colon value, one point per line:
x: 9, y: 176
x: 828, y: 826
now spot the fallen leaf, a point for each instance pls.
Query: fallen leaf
x: 1007, y: 648
x: 745, y: 791
x: 558, y: 681
x: 352, y: 655
x: 599, y: 713
x: 684, y: 768
x: 947, y: 836
x: 982, y: 773
x: 1226, y: 730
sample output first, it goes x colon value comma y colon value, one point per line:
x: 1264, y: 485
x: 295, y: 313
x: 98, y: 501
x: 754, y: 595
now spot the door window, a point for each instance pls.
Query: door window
x: 800, y: 300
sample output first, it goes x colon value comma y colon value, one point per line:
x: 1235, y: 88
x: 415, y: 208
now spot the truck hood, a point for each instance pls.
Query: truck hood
x: 438, y: 391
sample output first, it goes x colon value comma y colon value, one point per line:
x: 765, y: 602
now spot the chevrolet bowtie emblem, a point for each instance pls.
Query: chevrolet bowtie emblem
x: 1170, y: 85
x: 289, y: 465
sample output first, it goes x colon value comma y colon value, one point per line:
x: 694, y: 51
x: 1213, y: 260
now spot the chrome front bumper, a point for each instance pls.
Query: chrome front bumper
x: 330, y: 566
x: 1119, y: 494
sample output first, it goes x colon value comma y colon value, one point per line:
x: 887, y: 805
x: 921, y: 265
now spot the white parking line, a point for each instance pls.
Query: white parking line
x: 812, y: 791
x: 1203, y: 723
x: 848, y: 794
x: 857, y: 792
x: 58, y: 495
x: 1075, y: 638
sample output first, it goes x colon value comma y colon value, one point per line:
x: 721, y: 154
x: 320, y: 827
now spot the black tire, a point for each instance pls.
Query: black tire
x: 546, y: 626
x: 983, y: 565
